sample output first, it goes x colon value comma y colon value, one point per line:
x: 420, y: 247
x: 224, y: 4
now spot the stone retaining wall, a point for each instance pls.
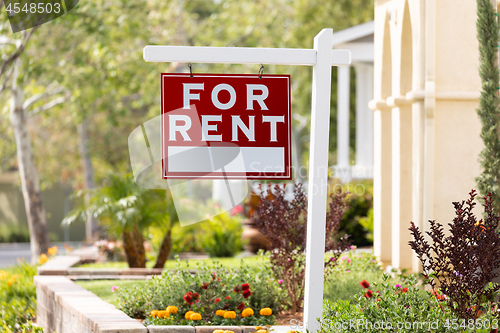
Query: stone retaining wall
x: 65, y: 307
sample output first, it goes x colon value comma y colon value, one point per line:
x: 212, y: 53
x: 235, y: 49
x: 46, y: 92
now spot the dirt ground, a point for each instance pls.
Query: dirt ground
x: 286, y: 317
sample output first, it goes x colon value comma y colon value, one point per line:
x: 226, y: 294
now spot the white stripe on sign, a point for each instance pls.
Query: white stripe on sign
x: 249, y: 159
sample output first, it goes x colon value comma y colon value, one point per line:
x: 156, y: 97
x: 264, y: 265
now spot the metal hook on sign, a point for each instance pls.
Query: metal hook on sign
x: 190, y: 69
x: 261, y: 71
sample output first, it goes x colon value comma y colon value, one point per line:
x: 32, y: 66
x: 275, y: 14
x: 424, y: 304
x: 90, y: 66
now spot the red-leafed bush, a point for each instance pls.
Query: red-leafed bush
x: 284, y: 224
x: 465, y: 262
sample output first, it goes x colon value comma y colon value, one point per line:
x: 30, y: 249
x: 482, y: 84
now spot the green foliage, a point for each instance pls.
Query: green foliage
x: 357, y: 221
x: 221, y: 236
x: 17, y: 298
x: 488, y: 111
x: 211, y: 282
x: 186, y: 239
x: 13, y: 233
x: 343, y: 281
x: 398, y: 305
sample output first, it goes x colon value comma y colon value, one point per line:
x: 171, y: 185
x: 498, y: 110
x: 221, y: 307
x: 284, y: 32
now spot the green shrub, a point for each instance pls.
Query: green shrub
x: 14, y: 233
x: 17, y: 298
x: 400, y: 307
x: 356, y: 221
x: 221, y: 236
x: 186, y: 239
x: 210, y: 283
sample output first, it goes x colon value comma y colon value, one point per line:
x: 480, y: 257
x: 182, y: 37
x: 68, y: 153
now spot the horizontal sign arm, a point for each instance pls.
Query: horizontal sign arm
x: 240, y: 55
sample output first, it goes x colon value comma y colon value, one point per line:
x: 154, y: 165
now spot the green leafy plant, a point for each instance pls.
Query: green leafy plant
x: 17, y: 298
x: 401, y: 307
x: 126, y: 211
x: 221, y: 235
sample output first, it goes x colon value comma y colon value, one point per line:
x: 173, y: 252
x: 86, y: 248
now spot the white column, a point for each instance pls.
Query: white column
x: 364, y: 121
x: 318, y: 181
x: 343, y: 85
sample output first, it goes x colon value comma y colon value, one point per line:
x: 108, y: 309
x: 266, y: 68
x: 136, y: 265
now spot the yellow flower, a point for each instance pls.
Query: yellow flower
x: 188, y: 314
x: 291, y: 332
x: 52, y: 250
x: 230, y: 315
x: 172, y: 309
x: 3, y: 275
x: 163, y: 314
x: 266, y: 312
x: 259, y: 328
x: 154, y: 313
x: 261, y: 331
x: 12, y: 279
x: 228, y: 331
x: 218, y: 331
x: 247, y: 312
x: 195, y: 316
x: 220, y: 313
x: 43, y: 259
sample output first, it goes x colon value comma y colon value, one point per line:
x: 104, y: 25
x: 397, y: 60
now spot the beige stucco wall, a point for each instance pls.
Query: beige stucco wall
x: 435, y: 143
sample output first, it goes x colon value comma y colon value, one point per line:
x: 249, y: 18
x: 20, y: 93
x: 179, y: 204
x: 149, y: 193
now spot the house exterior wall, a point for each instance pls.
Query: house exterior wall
x: 431, y: 93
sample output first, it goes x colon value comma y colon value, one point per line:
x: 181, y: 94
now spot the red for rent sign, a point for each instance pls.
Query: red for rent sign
x: 233, y: 126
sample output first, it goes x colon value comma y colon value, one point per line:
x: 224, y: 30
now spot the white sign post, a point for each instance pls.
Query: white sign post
x: 322, y: 58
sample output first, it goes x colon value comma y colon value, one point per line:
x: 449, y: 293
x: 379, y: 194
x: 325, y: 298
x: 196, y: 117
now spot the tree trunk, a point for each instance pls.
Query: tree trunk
x: 129, y: 248
x: 165, y: 248
x: 88, y: 177
x: 139, y: 246
x: 35, y: 211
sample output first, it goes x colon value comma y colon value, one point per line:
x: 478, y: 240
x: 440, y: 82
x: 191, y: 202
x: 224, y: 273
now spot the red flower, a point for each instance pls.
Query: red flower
x: 188, y: 299
x: 196, y: 295
x: 228, y: 297
x: 241, y: 306
x: 245, y: 286
x: 247, y: 293
x: 368, y: 293
x: 237, y: 289
x: 217, y: 300
x: 364, y: 284
x: 205, y: 286
x: 439, y: 297
x: 404, y: 290
x: 236, y: 210
x: 378, y: 299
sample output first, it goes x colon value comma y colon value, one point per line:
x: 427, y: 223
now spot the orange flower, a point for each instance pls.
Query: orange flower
x: 43, y: 259
x: 229, y: 315
x: 220, y: 313
x: 266, y: 312
x: 247, y: 312
x: 172, y: 309
x: 195, y: 316
x: 188, y: 315
x: 52, y: 250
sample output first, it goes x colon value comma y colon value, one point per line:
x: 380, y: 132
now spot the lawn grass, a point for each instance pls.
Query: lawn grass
x: 343, y: 283
x: 252, y: 262
x: 102, y: 288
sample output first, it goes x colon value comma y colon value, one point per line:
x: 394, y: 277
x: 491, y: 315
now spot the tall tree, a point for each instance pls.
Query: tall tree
x: 488, y: 111
x: 35, y: 211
